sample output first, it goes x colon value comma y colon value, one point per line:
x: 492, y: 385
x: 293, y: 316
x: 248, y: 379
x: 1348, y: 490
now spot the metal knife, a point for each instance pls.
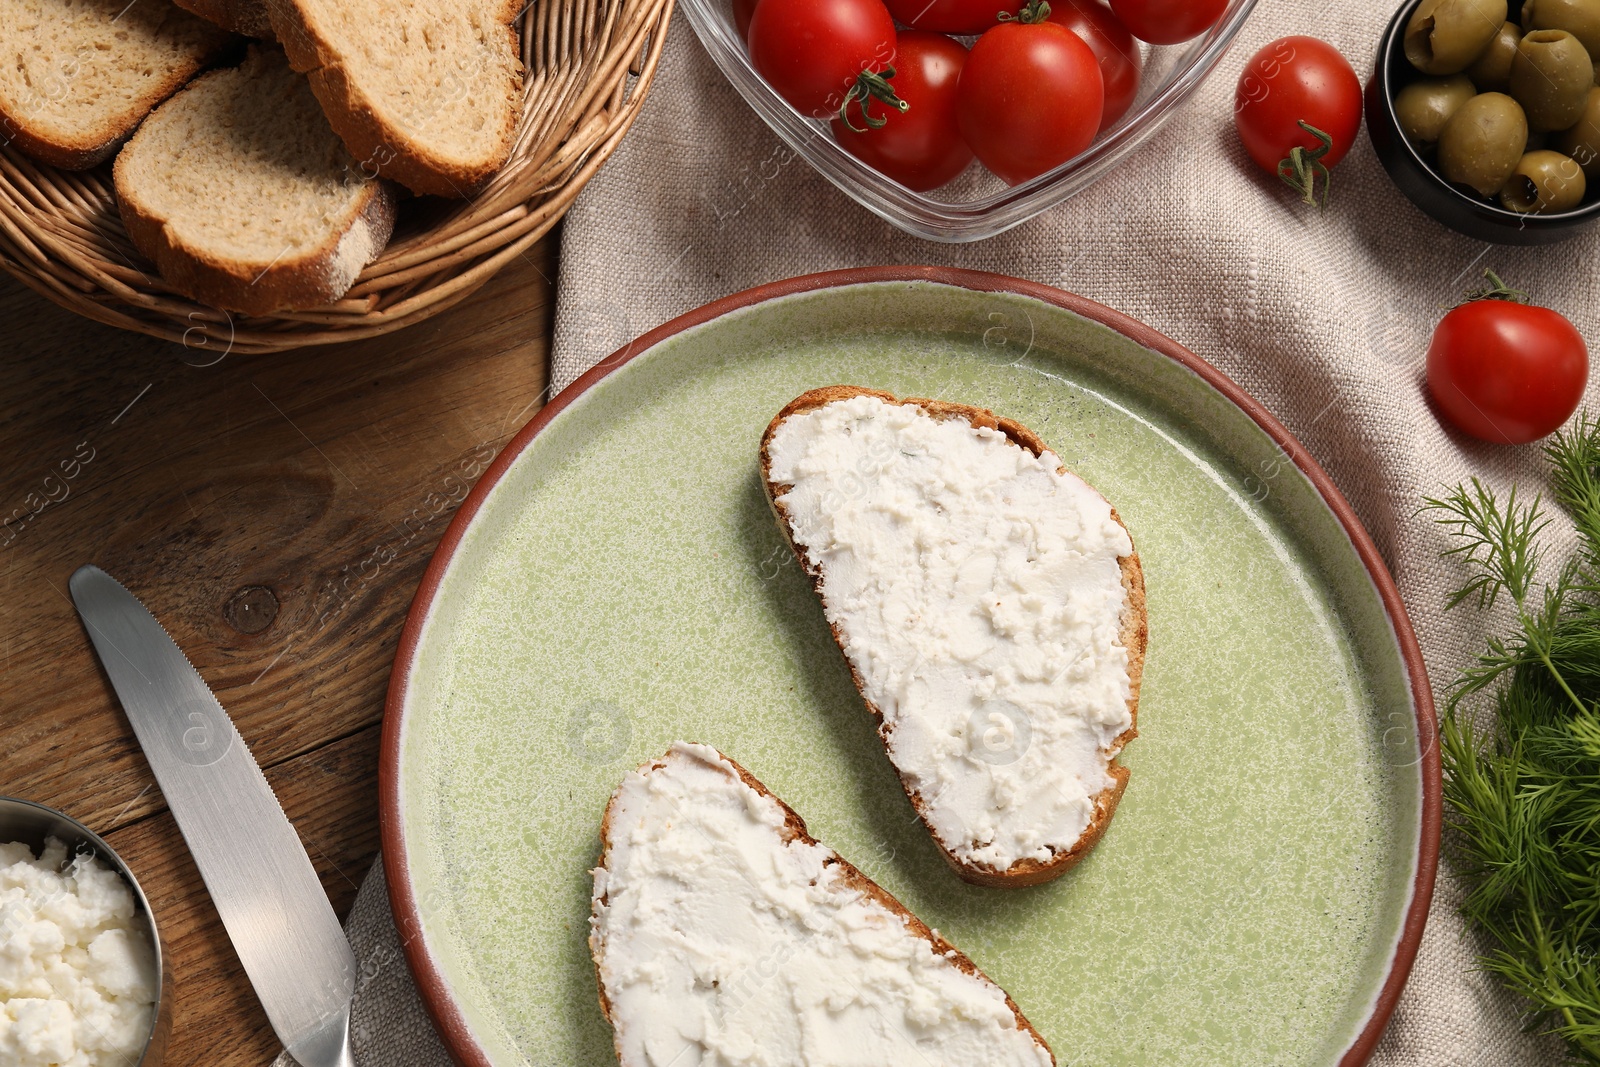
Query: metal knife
x: 253, y: 862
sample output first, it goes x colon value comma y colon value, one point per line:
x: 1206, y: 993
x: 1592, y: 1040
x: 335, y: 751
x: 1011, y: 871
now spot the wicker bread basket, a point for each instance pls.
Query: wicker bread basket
x: 588, y: 67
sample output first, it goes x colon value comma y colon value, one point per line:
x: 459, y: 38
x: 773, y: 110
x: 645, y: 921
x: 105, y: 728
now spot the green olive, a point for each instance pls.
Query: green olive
x: 1582, y: 141
x: 1423, y: 107
x: 1483, y: 142
x: 1445, y: 36
x: 1550, y: 77
x: 1491, y: 71
x: 1544, y: 183
x: 1581, y: 18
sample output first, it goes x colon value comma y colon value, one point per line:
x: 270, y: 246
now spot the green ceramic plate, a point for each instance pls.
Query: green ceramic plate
x: 617, y: 581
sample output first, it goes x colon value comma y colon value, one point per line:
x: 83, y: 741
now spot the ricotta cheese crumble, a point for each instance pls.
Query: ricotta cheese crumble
x: 77, y: 971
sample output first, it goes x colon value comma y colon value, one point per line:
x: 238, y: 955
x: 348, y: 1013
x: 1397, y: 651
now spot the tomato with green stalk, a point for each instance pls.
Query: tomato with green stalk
x: 1504, y: 370
x: 921, y: 148
x: 1031, y: 95
x: 826, y: 57
x: 1298, y: 110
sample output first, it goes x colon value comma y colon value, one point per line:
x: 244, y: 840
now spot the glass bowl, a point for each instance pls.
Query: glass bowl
x: 977, y: 204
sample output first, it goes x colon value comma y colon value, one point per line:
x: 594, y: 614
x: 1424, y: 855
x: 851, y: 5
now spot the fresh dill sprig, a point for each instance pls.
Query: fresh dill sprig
x: 1526, y: 791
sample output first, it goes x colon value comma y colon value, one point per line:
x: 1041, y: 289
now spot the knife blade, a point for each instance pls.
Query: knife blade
x: 252, y: 860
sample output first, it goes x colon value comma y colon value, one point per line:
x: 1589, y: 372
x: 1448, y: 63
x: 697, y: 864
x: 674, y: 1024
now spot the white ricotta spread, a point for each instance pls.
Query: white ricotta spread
x: 979, y: 596
x: 77, y: 974
x: 719, y: 944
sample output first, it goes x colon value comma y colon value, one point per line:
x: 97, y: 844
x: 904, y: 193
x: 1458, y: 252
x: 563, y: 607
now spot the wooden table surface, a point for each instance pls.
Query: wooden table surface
x: 275, y: 513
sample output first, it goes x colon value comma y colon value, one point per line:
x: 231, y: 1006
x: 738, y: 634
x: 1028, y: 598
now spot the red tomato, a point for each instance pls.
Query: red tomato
x: 743, y: 12
x: 951, y: 16
x: 1030, y: 98
x: 813, y: 51
x: 1507, y: 372
x: 1297, y: 79
x: 1168, y: 21
x: 922, y: 148
x: 1113, y: 45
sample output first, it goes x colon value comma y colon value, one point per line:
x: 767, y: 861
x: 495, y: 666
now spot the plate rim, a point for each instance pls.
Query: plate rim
x: 435, y: 992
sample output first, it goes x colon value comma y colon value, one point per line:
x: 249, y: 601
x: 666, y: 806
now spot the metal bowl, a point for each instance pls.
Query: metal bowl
x: 30, y: 823
x: 1413, y: 171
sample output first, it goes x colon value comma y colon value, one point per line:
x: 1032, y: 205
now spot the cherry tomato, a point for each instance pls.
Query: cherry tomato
x: 813, y: 52
x: 1295, y: 80
x: 1507, y: 372
x: 1168, y: 21
x: 964, y: 17
x: 743, y: 12
x: 1113, y: 45
x: 1030, y: 98
x: 921, y: 149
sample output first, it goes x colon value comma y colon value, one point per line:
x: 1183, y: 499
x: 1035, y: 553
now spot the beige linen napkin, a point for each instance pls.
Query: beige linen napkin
x: 1324, y: 318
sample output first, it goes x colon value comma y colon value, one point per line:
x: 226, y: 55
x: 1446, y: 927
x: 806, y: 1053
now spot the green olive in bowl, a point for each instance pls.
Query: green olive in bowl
x: 1483, y: 142
x: 1581, y: 18
x: 1544, y: 183
x: 1582, y: 140
x: 1550, y: 77
x: 1423, y: 107
x: 1445, y: 36
x: 1491, y: 71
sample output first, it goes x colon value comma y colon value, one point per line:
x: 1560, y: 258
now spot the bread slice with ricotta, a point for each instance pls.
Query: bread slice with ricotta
x: 426, y: 92
x: 990, y: 606
x: 245, y: 198
x: 77, y: 76
x: 722, y: 932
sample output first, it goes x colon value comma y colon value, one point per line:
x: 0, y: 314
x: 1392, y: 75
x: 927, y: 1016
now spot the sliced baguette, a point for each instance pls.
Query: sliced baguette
x: 76, y: 76
x: 248, y: 17
x: 972, y: 801
x: 719, y: 924
x: 425, y: 93
x: 243, y: 196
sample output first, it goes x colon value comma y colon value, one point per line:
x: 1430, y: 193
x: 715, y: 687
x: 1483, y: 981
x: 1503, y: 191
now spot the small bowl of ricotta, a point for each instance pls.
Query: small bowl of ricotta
x: 82, y: 980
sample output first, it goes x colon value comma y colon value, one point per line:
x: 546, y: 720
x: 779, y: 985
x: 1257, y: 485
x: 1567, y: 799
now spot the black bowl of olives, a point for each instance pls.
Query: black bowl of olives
x: 1487, y: 115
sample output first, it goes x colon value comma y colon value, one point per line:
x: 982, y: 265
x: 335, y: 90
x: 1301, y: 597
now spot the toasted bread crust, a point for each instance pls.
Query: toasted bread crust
x: 57, y: 153
x: 301, y: 283
x: 377, y: 145
x: 794, y: 829
x: 248, y: 17
x: 1135, y: 633
x: 94, y: 147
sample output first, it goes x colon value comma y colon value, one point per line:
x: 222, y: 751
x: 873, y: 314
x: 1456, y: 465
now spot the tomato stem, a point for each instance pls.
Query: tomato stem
x: 1498, y: 290
x: 869, y: 86
x: 1033, y: 11
x: 1304, y: 166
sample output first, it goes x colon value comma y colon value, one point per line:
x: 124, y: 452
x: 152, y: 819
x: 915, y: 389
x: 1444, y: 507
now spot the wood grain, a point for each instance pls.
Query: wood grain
x: 275, y: 512
x: 330, y: 794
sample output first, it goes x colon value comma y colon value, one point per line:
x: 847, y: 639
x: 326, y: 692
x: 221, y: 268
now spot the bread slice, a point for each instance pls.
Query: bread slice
x: 248, y: 17
x: 76, y: 76
x: 720, y: 928
x: 243, y: 196
x: 426, y: 92
x: 990, y: 606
